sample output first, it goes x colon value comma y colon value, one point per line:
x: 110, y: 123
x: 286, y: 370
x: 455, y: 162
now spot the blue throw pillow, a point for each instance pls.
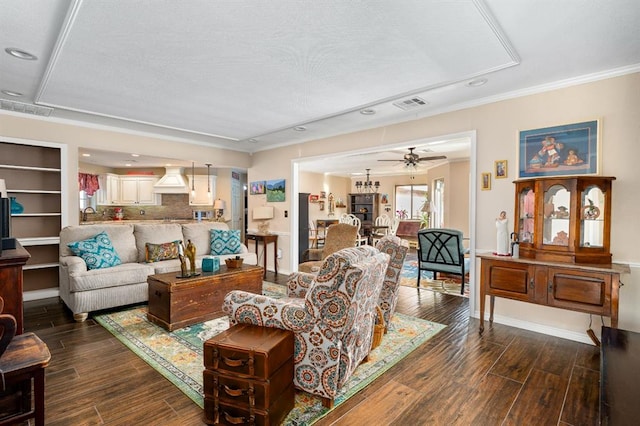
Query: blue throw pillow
x: 225, y: 241
x: 97, y: 252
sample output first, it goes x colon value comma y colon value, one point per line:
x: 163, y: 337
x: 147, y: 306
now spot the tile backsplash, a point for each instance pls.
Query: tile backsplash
x: 173, y: 207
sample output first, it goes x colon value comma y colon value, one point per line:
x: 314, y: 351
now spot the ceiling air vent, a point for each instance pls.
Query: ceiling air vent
x: 26, y: 108
x: 411, y: 103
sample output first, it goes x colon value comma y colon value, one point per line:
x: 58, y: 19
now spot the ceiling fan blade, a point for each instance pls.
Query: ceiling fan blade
x: 390, y: 160
x: 434, y: 157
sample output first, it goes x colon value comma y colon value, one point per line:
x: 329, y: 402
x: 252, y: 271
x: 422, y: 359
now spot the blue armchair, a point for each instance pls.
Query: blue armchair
x: 441, y: 250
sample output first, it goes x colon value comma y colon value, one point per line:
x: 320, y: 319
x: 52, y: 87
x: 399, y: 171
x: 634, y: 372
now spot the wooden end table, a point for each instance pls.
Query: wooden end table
x: 265, y: 239
x: 178, y: 302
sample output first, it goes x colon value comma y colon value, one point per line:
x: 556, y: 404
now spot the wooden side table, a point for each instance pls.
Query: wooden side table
x: 24, y: 361
x: 265, y: 239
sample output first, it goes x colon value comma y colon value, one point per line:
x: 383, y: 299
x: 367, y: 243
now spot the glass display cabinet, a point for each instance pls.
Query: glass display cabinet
x: 563, y: 225
x: 564, y: 219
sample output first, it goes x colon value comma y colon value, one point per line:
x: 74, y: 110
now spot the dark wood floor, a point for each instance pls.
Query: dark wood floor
x: 507, y: 376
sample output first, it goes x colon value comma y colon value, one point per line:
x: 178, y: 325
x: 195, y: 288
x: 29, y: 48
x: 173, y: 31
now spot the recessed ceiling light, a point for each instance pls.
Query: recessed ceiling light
x: 367, y: 111
x: 21, y: 54
x: 128, y: 165
x: 300, y: 128
x: 86, y: 155
x: 168, y: 165
x: 252, y: 140
x: 477, y: 82
x: 11, y: 93
x: 135, y: 155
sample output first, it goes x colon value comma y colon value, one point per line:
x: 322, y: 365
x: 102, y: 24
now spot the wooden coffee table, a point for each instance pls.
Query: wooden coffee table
x: 178, y: 302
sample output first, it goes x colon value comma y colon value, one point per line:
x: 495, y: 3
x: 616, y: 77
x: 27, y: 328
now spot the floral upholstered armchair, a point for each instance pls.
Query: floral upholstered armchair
x: 333, y: 323
x: 397, y: 248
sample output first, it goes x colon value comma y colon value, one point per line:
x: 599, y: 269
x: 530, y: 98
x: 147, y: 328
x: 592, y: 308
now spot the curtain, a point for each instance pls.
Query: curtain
x: 88, y: 183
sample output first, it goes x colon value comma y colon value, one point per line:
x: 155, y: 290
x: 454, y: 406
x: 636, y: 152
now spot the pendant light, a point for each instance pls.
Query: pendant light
x: 208, y: 180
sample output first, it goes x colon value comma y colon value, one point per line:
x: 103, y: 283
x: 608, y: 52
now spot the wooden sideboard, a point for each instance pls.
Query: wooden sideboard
x: 11, y: 263
x: 593, y: 289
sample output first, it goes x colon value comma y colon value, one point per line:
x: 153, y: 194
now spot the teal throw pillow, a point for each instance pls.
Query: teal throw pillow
x: 97, y: 251
x: 225, y: 241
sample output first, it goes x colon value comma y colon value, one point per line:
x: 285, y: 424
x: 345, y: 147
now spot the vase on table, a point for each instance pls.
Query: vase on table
x: 16, y: 207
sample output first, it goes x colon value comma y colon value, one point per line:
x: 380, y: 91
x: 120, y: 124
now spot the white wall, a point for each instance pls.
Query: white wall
x: 614, y: 101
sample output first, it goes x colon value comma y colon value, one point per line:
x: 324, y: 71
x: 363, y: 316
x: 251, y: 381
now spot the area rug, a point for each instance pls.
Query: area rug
x: 448, y: 284
x: 178, y: 355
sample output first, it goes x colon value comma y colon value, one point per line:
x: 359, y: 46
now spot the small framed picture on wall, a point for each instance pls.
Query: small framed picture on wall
x: 500, y: 169
x: 485, y: 182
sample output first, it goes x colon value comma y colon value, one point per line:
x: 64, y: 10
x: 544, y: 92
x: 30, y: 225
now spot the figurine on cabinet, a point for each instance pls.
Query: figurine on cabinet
x: 502, y: 234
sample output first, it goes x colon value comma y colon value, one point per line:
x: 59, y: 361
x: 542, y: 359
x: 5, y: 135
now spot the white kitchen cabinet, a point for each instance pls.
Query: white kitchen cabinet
x: 138, y: 190
x: 109, y: 192
x: 201, y: 197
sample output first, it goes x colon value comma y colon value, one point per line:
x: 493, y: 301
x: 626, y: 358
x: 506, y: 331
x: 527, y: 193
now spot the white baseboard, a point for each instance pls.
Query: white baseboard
x: 47, y: 293
x: 538, y: 328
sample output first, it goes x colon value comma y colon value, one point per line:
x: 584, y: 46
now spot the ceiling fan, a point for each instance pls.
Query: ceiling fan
x: 412, y: 159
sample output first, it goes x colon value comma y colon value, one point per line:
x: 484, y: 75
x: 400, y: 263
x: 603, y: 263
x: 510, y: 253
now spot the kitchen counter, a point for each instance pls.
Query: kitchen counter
x: 134, y: 221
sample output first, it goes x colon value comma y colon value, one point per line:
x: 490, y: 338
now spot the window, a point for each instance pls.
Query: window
x: 438, y: 203
x: 410, y: 200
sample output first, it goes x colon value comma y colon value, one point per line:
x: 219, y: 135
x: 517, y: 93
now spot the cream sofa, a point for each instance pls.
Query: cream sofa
x: 84, y: 290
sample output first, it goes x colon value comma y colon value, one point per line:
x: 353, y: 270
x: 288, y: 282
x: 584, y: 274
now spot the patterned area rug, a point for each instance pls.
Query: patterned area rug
x: 449, y: 284
x: 178, y: 355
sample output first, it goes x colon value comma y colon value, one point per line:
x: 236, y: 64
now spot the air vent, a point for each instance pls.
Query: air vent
x: 26, y: 108
x: 411, y: 103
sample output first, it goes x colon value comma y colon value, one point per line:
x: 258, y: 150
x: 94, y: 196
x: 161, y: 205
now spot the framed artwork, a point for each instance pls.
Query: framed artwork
x: 485, y: 182
x: 500, y: 169
x: 275, y: 190
x: 384, y: 198
x: 313, y: 198
x: 256, y: 188
x: 569, y: 149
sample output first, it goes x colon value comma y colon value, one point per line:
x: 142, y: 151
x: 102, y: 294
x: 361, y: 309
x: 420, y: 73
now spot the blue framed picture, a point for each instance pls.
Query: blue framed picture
x: 570, y: 149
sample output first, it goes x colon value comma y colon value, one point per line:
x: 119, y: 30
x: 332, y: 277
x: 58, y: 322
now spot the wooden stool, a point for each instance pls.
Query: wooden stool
x: 22, y: 358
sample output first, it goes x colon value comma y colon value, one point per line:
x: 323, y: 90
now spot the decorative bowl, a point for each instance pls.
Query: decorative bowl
x: 233, y: 263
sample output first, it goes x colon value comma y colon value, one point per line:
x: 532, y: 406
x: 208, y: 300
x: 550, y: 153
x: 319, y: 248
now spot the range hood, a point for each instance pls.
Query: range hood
x: 173, y: 182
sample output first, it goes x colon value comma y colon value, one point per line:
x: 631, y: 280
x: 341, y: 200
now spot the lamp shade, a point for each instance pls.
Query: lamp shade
x: 265, y: 212
x: 219, y: 204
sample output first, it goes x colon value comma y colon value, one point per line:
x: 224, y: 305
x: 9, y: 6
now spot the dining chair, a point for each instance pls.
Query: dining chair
x: 316, y: 236
x: 354, y: 220
x: 381, y: 227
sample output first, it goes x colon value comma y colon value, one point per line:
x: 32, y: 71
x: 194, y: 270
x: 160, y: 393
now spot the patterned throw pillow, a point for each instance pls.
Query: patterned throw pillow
x: 225, y: 241
x: 97, y: 251
x: 164, y: 251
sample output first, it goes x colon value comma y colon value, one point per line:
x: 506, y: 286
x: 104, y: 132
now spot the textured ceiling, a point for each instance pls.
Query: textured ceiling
x: 240, y: 70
